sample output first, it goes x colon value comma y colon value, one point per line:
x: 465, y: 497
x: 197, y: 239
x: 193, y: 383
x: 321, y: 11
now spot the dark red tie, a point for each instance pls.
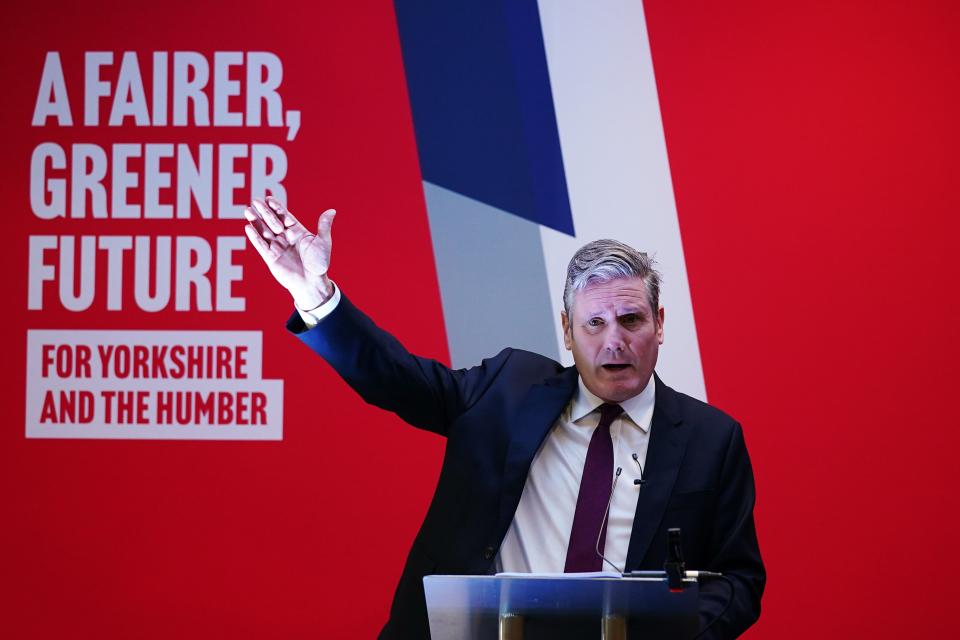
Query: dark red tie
x: 589, y: 520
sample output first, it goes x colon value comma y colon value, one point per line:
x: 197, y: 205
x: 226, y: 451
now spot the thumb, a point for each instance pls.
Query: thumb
x: 325, y: 223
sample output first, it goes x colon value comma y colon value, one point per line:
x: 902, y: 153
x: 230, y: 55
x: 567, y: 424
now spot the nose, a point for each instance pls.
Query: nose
x: 614, y: 339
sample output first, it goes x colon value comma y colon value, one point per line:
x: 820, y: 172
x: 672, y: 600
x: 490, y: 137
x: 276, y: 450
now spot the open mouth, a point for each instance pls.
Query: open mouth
x: 616, y: 367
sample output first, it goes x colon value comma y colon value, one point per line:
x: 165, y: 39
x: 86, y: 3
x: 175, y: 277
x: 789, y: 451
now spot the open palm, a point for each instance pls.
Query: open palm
x: 298, y: 259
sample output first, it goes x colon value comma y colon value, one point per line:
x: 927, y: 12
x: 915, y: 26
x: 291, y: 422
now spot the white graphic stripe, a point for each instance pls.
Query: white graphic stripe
x: 615, y: 159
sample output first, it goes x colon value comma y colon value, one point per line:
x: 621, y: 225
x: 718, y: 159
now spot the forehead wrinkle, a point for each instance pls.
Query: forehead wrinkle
x: 595, y: 302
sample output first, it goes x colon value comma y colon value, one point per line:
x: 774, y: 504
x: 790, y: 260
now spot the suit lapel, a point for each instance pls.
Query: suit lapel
x: 668, y: 443
x: 538, y: 412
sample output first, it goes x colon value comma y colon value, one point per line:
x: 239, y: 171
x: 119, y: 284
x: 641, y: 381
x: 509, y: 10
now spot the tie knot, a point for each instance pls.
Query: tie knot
x: 608, y: 412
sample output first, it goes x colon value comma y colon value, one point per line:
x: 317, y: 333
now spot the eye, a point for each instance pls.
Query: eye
x: 595, y: 322
x: 632, y: 321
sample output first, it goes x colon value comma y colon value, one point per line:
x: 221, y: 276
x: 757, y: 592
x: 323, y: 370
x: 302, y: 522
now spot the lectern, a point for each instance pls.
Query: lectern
x: 560, y: 606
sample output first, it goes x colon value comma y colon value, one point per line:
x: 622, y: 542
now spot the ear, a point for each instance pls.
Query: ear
x: 567, y: 331
x: 660, y: 324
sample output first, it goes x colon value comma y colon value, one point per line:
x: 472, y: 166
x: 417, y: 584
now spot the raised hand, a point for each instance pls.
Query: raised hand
x: 298, y: 259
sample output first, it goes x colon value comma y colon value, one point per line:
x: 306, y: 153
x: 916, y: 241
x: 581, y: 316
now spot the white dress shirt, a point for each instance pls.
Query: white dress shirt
x: 537, y: 539
x: 313, y: 317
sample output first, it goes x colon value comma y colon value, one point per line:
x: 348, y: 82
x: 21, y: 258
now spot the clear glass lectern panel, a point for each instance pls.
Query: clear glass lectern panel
x: 515, y: 607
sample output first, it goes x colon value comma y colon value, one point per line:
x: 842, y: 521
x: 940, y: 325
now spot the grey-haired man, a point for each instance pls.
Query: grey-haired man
x: 531, y: 445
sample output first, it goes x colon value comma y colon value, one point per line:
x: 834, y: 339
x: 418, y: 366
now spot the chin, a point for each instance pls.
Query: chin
x: 615, y: 394
x: 621, y: 392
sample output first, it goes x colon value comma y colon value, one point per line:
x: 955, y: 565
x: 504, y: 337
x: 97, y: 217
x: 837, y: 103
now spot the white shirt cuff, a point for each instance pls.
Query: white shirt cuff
x: 313, y: 317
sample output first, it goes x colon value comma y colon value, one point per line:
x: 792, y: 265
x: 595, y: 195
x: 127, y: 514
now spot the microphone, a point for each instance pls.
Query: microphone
x: 697, y: 575
x: 675, y: 567
x: 603, y: 522
x: 641, y: 481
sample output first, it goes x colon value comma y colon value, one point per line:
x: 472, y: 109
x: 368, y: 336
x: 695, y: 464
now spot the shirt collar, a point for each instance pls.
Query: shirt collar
x: 638, y: 408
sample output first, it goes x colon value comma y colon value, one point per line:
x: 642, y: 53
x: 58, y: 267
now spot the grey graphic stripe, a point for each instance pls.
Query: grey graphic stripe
x: 493, y: 282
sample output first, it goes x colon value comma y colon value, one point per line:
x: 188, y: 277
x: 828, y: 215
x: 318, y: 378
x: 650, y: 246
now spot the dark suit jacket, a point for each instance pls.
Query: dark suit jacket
x: 496, y: 415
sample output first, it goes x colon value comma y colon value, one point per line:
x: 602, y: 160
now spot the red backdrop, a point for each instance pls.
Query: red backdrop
x: 811, y: 152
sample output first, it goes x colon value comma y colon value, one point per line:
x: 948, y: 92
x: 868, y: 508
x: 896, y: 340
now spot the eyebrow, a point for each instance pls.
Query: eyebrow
x: 629, y: 311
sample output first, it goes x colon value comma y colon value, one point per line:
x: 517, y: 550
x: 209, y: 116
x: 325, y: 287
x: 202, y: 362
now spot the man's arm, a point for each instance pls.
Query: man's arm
x: 424, y: 392
x: 734, y: 549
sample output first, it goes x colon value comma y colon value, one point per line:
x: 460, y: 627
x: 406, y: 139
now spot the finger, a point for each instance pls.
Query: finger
x: 267, y: 234
x: 261, y: 228
x: 268, y: 215
x: 264, y: 232
x: 252, y: 214
x: 325, y: 223
x: 258, y: 243
x: 287, y: 218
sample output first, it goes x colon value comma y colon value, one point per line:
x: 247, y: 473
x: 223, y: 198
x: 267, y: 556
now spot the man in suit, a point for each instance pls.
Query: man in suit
x: 528, y: 481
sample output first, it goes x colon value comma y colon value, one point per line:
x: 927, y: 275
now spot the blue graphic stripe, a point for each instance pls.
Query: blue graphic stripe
x: 482, y: 107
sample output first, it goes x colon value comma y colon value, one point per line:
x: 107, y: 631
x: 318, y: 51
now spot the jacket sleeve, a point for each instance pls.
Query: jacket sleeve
x: 423, y: 392
x: 735, y: 551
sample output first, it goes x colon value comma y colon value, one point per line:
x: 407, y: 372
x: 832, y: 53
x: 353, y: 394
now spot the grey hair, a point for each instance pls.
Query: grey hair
x: 606, y: 260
